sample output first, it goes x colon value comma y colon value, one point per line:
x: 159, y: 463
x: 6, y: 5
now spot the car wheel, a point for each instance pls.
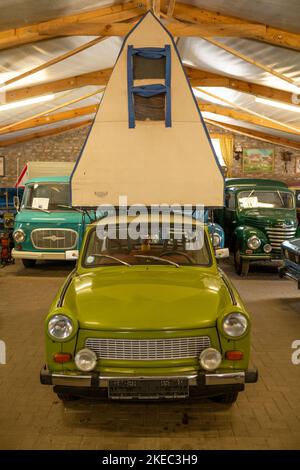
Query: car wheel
x: 29, y: 263
x: 241, y: 266
x: 227, y: 399
x: 63, y: 396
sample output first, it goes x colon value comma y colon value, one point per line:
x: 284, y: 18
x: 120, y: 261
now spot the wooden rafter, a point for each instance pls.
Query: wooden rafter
x: 156, y: 7
x: 274, y: 36
x: 31, y: 33
x: 283, y: 142
x: 176, y: 28
x: 171, y: 6
x: 197, y: 78
x: 45, y: 133
x: 53, y: 61
x: 52, y: 119
x: 242, y: 116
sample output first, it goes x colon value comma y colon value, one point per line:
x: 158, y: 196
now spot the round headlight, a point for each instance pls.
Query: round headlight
x: 235, y: 325
x: 253, y: 242
x: 210, y: 359
x: 267, y: 248
x: 216, y: 240
x: 85, y: 360
x: 60, y: 327
x: 19, y: 235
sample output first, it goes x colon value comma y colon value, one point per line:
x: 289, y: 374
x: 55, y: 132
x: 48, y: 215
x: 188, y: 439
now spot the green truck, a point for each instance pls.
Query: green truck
x: 147, y: 318
x: 259, y: 214
x: 46, y: 227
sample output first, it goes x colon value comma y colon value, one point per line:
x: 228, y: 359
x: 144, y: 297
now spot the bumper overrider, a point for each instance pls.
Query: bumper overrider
x: 200, y: 384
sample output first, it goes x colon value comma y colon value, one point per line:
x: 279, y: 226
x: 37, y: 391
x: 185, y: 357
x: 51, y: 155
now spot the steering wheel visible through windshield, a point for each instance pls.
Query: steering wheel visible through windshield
x: 176, y: 251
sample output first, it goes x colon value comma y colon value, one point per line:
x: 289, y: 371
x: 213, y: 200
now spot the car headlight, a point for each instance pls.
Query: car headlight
x: 19, y: 235
x: 210, y: 359
x: 86, y: 360
x: 267, y: 248
x: 235, y: 325
x: 60, y: 327
x: 216, y: 240
x: 253, y: 242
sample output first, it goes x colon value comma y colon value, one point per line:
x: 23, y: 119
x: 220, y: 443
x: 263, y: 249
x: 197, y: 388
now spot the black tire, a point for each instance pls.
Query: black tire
x: 63, y: 396
x: 227, y: 399
x: 29, y: 263
x: 241, y: 266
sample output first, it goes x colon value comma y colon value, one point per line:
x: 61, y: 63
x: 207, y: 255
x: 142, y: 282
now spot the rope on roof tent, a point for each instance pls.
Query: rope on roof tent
x: 53, y: 61
x: 248, y: 59
x: 242, y: 108
x: 55, y: 108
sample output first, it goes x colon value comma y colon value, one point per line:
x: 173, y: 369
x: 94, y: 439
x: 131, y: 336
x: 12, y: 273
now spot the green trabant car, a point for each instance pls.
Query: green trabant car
x: 259, y: 215
x: 46, y: 227
x: 147, y: 318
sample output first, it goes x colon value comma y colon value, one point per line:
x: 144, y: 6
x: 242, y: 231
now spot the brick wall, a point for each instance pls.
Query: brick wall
x: 67, y: 146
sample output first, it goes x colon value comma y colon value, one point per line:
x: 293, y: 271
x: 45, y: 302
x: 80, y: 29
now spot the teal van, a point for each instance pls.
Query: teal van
x: 46, y: 227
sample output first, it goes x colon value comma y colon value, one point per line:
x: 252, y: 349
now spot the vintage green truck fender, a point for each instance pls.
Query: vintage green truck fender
x: 244, y: 232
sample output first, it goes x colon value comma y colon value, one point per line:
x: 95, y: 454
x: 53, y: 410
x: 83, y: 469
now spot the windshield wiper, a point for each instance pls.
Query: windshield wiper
x: 280, y: 197
x: 157, y: 258
x: 111, y: 257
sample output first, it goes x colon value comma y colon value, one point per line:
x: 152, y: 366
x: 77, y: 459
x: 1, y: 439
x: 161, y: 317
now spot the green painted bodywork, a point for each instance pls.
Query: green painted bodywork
x: 240, y: 224
x: 29, y: 219
x: 142, y: 302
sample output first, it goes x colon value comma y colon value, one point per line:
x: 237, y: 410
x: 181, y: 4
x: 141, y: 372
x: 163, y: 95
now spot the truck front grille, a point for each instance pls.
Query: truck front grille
x: 148, y: 349
x: 54, y: 239
x: 278, y: 234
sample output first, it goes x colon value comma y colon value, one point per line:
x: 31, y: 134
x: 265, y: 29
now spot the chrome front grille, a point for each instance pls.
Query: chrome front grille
x: 279, y: 234
x: 54, y: 239
x: 148, y: 349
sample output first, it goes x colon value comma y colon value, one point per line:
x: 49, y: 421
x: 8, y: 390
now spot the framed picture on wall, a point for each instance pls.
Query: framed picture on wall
x: 258, y: 160
x: 297, y: 164
x: 2, y: 166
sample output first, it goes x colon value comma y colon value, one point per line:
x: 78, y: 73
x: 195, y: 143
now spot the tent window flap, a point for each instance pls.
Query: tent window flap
x: 149, y: 63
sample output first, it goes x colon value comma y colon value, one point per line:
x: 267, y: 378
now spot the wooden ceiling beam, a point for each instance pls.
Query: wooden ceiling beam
x: 242, y: 116
x: 31, y: 33
x: 52, y: 118
x: 45, y: 133
x: 263, y: 136
x: 274, y: 36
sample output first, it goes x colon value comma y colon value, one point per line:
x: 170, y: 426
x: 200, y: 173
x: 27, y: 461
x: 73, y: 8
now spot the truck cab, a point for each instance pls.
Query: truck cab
x: 46, y: 227
x: 259, y: 214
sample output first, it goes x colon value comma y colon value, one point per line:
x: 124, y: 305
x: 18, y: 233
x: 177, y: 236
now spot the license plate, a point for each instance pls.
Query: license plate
x: 148, y: 389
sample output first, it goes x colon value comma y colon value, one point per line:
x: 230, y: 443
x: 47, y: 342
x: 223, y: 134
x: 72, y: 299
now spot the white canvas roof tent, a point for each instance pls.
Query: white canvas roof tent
x: 150, y: 161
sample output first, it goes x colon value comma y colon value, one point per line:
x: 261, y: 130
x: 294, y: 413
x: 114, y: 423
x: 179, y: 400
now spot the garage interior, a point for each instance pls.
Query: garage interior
x: 56, y: 59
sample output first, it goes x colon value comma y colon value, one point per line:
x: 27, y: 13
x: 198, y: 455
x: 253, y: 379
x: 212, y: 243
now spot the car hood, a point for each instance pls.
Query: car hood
x: 270, y: 216
x: 147, y: 298
x: 54, y: 218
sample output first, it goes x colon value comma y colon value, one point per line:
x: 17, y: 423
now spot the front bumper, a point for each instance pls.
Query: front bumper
x: 203, y: 383
x: 39, y: 255
x: 263, y: 257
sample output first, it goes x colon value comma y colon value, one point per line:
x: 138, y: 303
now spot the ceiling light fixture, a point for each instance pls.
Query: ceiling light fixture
x: 19, y: 104
x: 277, y: 104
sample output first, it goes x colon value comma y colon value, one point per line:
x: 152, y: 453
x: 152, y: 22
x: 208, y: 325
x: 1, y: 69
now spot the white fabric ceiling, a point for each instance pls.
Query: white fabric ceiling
x: 194, y: 52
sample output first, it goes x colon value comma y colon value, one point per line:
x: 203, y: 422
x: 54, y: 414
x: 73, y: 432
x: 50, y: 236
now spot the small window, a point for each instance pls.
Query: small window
x: 151, y: 108
x: 144, y: 68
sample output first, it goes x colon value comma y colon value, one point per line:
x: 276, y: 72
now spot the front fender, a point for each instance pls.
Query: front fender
x: 244, y: 232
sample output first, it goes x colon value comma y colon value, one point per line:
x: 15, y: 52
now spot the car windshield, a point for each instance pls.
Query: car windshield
x: 46, y: 196
x: 258, y: 199
x: 147, y: 250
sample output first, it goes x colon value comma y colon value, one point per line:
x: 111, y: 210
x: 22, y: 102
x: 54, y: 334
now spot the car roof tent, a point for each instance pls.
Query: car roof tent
x: 148, y: 140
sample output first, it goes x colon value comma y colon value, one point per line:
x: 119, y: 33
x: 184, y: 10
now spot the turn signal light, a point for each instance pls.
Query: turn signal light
x: 234, y: 355
x: 62, y: 357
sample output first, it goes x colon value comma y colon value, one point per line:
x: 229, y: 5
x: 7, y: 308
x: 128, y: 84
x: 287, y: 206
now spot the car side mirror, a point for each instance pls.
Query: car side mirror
x: 16, y: 201
x: 72, y: 254
x: 222, y: 253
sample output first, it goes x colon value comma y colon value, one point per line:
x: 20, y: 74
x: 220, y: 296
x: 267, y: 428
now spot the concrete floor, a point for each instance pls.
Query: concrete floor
x: 266, y: 415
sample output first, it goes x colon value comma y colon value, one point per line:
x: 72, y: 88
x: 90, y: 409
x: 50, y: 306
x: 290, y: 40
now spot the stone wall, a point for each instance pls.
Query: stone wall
x: 67, y: 146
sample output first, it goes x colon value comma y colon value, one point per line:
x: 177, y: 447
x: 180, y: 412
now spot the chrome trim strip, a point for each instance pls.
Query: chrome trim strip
x: 230, y: 290
x: 65, y: 287
x: 225, y: 378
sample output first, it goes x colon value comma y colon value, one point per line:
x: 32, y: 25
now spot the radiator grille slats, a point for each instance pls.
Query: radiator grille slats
x: 54, y: 239
x: 278, y: 234
x: 148, y: 349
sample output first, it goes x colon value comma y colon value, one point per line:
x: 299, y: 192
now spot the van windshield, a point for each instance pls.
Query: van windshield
x: 258, y: 199
x: 46, y: 196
